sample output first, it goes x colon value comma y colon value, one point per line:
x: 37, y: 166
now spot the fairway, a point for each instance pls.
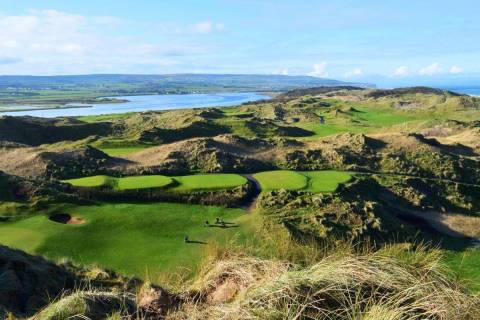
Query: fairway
x: 144, y: 240
x: 313, y: 181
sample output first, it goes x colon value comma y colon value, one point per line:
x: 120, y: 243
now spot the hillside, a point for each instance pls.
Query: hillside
x: 341, y: 199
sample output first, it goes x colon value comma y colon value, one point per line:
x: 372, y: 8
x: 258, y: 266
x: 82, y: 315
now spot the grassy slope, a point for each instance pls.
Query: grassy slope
x: 145, y: 240
x: 315, y: 181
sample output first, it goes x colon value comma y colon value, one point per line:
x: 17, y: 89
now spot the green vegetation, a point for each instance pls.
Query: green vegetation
x: 118, y: 151
x: 315, y: 181
x: 282, y: 179
x: 142, y: 182
x: 208, y: 182
x: 144, y: 240
x: 127, y: 183
x: 325, y: 181
x: 94, y: 181
x: 360, y: 177
x: 179, y: 183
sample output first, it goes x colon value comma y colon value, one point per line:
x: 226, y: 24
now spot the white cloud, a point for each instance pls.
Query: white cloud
x: 319, y: 70
x: 203, y: 27
x: 354, y: 73
x: 401, y: 71
x: 282, y: 71
x: 55, y: 42
x: 430, y: 70
x: 456, y: 70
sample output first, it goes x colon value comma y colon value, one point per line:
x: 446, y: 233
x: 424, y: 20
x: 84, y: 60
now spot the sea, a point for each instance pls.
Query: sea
x: 145, y: 103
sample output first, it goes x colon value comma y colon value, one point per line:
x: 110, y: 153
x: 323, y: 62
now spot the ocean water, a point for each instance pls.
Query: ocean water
x: 469, y: 91
x: 149, y: 102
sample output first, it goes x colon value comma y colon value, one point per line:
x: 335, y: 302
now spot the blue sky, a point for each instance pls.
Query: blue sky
x: 358, y: 40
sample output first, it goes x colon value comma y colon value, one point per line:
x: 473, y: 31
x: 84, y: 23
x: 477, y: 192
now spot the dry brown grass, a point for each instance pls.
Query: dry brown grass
x: 395, y: 283
x: 24, y: 162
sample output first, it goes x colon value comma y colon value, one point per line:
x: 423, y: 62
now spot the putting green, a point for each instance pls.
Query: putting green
x: 144, y: 240
x: 208, y: 182
x: 325, y: 181
x: 312, y: 181
x: 94, y: 181
x: 183, y: 183
x: 142, y: 182
x: 281, y: 179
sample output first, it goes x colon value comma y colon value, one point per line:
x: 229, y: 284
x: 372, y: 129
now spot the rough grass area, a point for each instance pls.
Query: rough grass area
x: 181, y: 183
x: 314, y: 181
x: 208, y: 182
x: 145, y: 240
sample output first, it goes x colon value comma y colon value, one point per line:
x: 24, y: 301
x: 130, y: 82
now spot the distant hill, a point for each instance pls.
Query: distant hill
x: 129, y: 83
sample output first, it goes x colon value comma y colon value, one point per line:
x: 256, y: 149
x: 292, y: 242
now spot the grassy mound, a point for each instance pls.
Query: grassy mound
x: 314, y: 181
x: 144, y: 240
x: 28, y: 282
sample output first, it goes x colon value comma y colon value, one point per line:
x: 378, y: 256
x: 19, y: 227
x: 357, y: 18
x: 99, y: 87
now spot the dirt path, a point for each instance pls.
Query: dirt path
x: 449, y: 224
x: 250, y: 204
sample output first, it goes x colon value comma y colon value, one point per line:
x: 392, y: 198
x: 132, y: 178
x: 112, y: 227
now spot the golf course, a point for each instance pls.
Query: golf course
x: 143, y: 240
x: 146, y: 240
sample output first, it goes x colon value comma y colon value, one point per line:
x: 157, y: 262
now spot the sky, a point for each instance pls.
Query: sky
x: 390, y: 41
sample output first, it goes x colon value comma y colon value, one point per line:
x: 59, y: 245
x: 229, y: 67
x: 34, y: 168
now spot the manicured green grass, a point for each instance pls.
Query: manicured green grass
x: 208, y: 182
x: 182, y: 183
x: 312, y: 181
x: 144, y: 240
x: 94, y: 181
x: 122, y: 151
x: 324, y: 130
x: 142, y: 182
x: 281, y: 179
x: 325, y: 181
x: 358, y: 119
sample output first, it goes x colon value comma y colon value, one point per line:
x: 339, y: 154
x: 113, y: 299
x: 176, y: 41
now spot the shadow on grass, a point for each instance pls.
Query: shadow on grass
x: 195, y: 242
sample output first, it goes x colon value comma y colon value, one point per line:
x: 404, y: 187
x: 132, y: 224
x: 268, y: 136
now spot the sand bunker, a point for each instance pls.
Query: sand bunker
x: 65, y: 218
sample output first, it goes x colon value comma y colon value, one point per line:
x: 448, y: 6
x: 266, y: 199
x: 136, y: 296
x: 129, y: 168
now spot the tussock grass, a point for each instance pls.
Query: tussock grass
x: 397, y: 282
